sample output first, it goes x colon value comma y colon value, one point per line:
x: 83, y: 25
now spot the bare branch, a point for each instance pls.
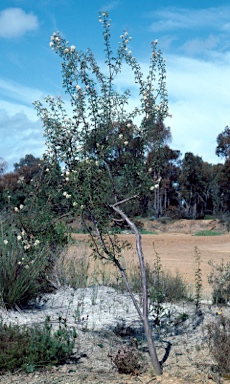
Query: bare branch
x: 124, y: 201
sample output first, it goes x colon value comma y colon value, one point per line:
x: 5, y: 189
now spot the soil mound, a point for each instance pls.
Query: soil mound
x: 184, y: 226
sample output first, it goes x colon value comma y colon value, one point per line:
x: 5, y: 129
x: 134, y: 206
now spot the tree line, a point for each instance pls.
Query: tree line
x: 185, y: 187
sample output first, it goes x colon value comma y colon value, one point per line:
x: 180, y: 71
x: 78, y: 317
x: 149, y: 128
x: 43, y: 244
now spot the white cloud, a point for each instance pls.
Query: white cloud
x: 14, y: 22
x: 109, y: 6
x: 20, y: 129
x: 19, y: 136
x: 15, y: 97
x: 172, y: 18
x: 199, y: 101
x: 199, y: 45
x: 19, y: 92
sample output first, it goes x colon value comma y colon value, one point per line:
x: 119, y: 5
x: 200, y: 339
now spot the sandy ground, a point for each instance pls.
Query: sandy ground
x: 188, y: 360
x: 182, y: 345
x: 176, y: 251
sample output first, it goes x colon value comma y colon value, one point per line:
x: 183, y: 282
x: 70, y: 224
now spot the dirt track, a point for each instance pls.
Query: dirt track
x: 177, y: 253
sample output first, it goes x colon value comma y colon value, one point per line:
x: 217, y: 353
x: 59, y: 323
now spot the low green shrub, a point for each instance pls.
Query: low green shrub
x: 144, y: 231
x: 32, y: 348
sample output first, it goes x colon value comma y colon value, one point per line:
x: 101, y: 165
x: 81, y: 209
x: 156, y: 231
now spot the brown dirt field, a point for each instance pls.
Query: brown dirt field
x: 176, y: 248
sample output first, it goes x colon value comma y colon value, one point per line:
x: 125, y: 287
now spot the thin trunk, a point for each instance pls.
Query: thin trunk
x: 145, y: 317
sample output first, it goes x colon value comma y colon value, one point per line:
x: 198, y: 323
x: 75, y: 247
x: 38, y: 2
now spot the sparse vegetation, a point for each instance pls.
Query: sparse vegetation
x: 218, y: 337
x: 73, y: 271
x: 198, y: 278
x: 208, y: 233
x: 31, y: 348
x: 219, y: 279
x: 172, y: 286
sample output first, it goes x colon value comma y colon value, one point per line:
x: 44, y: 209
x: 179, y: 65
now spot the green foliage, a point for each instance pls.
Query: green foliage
x: 103, y: 150
x: 223, y: 179
x: 28, y: 161
x: 144, y: 231
x: 19, y: 270
x: 208, y: 233
x: 196, y: 184
x: 219, y: 279
x: 223, y: 143
x: 26, y: 259
x: 32, y: 348
x: 32, y: 236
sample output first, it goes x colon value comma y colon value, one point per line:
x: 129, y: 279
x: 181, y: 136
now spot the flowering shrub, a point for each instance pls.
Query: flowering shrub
x: 101, y: 139
x: 31, y: 239
x: 103, y: 147
x: 20, y: 266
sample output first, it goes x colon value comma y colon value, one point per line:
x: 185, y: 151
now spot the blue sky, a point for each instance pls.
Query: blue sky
x: 193, y: 35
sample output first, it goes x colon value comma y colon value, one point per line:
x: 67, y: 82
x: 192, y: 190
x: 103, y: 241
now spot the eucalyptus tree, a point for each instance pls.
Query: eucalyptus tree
x: 223, y: 143
x: 191, y: 185
x: 3, y: 166
x: 104, y: 143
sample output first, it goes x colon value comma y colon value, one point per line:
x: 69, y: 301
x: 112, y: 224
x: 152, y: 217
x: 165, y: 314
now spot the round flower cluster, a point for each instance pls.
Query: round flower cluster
x: 27, y: 243
x: 67, y: 196
x: 16, y: 209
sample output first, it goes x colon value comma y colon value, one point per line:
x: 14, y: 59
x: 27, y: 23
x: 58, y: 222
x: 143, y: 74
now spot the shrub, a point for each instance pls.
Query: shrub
x: 26, y: 265
x: 219, y: 279
x: 19, y: 272
x: 218, y: 334
x: 175, y: 289
x: 198, y: 279
x: 31, y: 348
x: 172, y: 287
x: 125, y: 359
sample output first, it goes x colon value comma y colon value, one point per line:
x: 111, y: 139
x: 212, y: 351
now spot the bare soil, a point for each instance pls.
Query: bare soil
x: 176, y: 243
